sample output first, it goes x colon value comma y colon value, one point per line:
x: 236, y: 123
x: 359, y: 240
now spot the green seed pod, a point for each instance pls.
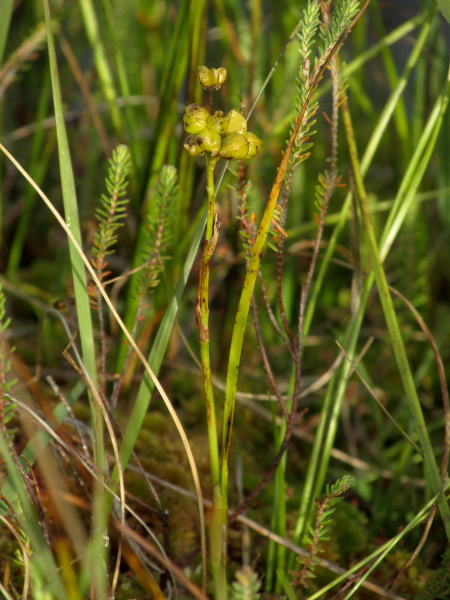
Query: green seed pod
x: 238, y: 123
x: 217, y: 122
x: 209, y: 141
x: 212, y: 78
x: 234, y: 147
x: 255, y: 144
x: 195, y: 118
x: 192, y: 147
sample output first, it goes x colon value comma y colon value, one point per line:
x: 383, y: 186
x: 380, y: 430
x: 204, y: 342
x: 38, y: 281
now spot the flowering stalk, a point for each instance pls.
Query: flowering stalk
x: 218, y: 517
x: 215, y: 136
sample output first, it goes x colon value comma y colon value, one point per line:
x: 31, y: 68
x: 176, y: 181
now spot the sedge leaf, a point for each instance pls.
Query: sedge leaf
x: 444, y: 7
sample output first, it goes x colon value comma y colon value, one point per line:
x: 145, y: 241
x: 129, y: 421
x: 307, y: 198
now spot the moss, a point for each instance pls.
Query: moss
x: 349, y: 529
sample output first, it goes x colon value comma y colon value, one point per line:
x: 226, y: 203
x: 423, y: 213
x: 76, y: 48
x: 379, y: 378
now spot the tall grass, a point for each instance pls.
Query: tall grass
x: 334, y: 375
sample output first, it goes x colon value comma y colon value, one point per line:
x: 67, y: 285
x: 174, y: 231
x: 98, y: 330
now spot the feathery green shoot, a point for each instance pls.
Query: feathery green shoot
x: 112, y: 212
x: 6, y: 407
x: 439, y: 586
x: 343, y: 14
x: 159, y: 228
x: 246, y: 586
x: 325, y: 507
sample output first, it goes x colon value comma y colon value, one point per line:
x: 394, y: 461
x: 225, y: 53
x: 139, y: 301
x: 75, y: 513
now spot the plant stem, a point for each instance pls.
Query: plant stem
x: 217, y: 530
x: 430, y: 466
x: 99, y: 526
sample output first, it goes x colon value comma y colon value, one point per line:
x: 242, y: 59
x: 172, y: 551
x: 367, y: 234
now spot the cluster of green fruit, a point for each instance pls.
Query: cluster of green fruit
x: 216, y: 134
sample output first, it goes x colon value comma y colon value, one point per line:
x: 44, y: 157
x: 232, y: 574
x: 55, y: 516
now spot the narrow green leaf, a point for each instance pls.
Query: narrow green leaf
x: 7, y: 8
x: 444, y: 7
x: 156, y: 355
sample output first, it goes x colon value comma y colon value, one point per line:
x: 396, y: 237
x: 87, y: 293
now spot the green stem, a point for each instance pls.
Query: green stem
x: 430, y: 466
x: 96, y: 549
x: 7, y: 10
x: 93, y: 32
x: 218, y: 525
x: 203, y: 322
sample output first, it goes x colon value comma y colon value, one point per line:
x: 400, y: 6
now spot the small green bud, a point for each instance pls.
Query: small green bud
x: 192, y: 147
x: 212, y: 78
x: 217, y: 122
x: 234, y: 147
x: 209, y: 141
x: 238, y: 123
x: 195, y: 118
x: 255, y: 144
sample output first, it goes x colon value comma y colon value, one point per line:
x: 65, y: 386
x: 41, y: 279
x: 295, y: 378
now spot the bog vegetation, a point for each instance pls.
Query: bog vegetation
x: 224, y: 300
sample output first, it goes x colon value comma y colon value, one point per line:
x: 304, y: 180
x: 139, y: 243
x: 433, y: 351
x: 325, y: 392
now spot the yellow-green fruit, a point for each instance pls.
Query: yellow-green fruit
x: 192, y: 147
x: 238, y: 123
x: 209, y: 141
x: 217, y: 122
x: 212, y: 78
x: 234, y: 147
x: 254, y: 144
x: 195, y: 118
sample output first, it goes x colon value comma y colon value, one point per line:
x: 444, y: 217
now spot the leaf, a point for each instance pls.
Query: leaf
x: 444, y: 7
